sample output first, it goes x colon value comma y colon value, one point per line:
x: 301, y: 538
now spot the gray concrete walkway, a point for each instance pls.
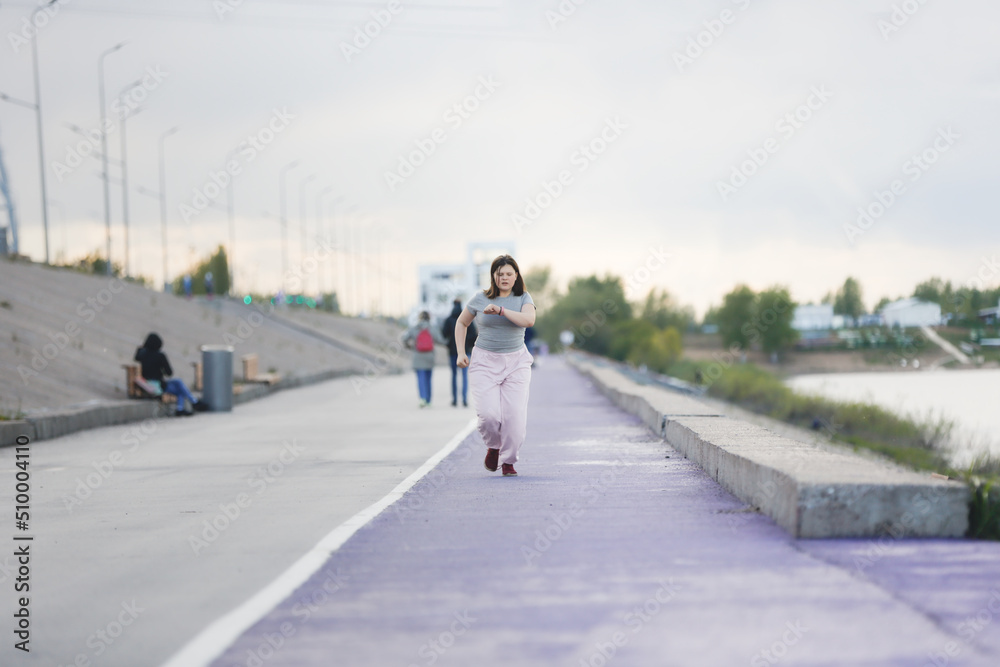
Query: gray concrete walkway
x: 174, y: 522
x: 610, y: 549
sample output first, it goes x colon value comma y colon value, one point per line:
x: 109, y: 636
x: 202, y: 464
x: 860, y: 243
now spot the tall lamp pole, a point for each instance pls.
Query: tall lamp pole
x: 124, y: 151
x: 163, y: 203
x: 321, y: 231
x: 302, y: 217
x: 104, y: 148
x: 231, y: 214
x: 38, y: 119
x: 282, y: 184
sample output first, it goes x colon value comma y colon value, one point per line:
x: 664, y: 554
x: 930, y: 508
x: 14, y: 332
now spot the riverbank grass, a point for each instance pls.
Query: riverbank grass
x: 918, y: 445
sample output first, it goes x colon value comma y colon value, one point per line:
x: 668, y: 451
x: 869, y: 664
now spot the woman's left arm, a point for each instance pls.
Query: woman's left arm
x: 525, y: 318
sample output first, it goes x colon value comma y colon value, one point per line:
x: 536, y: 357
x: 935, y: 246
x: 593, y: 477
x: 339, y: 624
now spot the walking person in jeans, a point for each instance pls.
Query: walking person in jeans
x: 500, y: 367
x: 448, y: 331
x: 421, y: 338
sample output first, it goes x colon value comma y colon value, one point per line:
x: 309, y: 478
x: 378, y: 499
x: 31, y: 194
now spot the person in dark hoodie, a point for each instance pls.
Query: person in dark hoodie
x: 448, y: 331
x: 156, y: 368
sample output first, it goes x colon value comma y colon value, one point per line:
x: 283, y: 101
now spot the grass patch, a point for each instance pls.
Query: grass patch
x: 917, y: 445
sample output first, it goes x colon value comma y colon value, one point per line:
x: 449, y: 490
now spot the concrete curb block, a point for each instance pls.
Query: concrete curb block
x: 10, y: 431
x: 809, y: 491
x: 46, y: 427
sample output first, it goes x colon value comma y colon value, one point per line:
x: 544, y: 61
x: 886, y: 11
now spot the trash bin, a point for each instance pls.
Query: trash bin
x: 217, y: 377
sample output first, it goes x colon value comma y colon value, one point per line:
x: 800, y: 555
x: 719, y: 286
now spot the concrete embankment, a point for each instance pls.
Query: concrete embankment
x: 812, y: 492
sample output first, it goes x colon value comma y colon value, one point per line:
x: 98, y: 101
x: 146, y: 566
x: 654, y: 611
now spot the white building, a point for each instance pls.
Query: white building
x: 441, y: 284
x: 911, y: 312
x: 810, y: 317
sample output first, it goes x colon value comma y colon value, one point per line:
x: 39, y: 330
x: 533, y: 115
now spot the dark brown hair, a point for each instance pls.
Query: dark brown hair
x: 501, y: 261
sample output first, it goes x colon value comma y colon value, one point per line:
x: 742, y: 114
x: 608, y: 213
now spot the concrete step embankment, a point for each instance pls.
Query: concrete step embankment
x: 810, y: 491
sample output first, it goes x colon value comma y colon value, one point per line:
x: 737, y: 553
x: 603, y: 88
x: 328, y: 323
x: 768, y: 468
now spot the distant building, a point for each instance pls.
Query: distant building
x: 441, y: 284
x: 810, y: 317
x: 911, y: 312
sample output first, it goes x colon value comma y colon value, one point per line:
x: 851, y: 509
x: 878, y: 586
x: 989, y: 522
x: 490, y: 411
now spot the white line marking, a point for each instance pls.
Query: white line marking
x: 221, y: 634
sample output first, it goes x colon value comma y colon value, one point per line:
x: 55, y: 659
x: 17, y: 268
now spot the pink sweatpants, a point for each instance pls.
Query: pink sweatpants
x: 499, y: 383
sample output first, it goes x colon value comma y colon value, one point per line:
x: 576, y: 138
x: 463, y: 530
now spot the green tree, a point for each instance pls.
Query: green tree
x: 773, y: 314
x: 657, y: 351
x: 590, y: 308
x: 934, y: 290
x: 537, y: 281
x: 849, y: 300
x: 218, y: 264
x: 882, y: 303
x: 662, y: 311
x: 736, y: 312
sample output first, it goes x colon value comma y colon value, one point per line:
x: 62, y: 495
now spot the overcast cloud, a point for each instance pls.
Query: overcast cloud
x: 870, y: 94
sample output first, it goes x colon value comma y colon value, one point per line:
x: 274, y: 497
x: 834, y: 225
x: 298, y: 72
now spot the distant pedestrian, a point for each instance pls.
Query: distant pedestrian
x: 209, y: 285
x: 421, y: 338
x: 448, y: 331
x: 156, y: 368
x: 188, y: 284
x: 500, y: 368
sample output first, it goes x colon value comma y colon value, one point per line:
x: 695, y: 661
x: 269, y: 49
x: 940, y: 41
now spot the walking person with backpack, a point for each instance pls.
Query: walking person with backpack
x: 421, y: 338
x: 448, y: 331
x: 500, y: 366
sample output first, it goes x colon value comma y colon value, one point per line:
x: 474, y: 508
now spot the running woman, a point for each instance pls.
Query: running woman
x: 500, y: 368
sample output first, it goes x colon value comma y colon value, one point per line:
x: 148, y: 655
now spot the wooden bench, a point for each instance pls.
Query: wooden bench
x: 134, y: 390
x: 251, y: 374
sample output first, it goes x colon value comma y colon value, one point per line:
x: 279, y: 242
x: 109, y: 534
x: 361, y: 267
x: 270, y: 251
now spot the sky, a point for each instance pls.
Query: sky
x: 688, y: 146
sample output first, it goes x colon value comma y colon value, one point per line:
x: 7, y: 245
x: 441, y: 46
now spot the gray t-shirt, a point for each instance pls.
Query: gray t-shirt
x: 496, y: 333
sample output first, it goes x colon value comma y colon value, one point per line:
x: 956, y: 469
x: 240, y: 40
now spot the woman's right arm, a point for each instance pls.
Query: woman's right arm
x: 461, y: 329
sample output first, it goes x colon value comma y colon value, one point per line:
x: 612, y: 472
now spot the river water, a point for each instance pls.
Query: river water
x: 971, y: 398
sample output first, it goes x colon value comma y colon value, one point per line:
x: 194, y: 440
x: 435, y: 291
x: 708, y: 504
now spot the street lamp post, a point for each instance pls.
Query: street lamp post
x: 321, y: 231
x: 231, y: 213
x: 38, y: 120
x: 163, y: 203
x: 282, y: 183
x: 124, y: 151
x: 302, y: 218
x: 104, y: 147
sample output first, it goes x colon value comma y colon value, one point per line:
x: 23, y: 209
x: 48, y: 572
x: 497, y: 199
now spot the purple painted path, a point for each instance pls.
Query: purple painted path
x: 610, y: 549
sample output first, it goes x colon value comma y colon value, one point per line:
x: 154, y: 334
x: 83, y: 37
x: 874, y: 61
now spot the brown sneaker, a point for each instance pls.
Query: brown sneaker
x: 492, y: 459
x: 508, y: 470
